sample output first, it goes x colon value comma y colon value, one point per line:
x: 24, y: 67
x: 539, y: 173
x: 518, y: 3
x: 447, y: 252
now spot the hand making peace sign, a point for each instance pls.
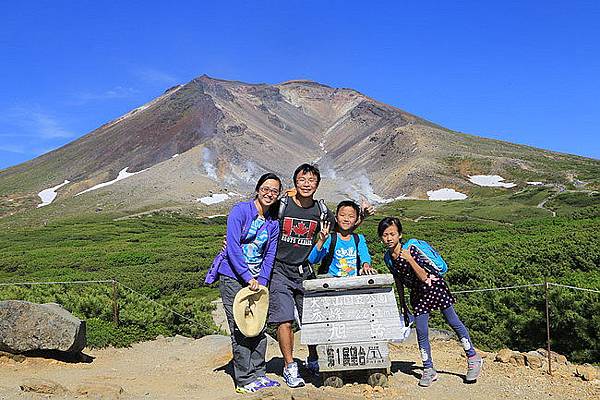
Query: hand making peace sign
x: 324, y: 232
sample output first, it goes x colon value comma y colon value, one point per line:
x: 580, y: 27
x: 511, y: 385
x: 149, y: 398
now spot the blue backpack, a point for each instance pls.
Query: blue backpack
x: 436, y: 263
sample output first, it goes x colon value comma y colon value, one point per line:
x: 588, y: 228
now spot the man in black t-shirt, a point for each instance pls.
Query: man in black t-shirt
x: 299, y: 225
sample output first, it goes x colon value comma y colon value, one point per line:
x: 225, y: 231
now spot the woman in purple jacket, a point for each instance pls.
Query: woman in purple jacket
x: 252, y: 235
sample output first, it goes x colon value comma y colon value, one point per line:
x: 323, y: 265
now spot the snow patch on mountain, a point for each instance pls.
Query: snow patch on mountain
x: 445, y: 194
x: 48, y: 195
x: 491, y: 181
x: 123, y: 174
x: 214, y: 199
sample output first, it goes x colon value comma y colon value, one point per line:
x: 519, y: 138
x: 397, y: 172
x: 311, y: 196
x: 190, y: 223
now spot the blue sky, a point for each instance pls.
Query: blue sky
x: 522, y: 71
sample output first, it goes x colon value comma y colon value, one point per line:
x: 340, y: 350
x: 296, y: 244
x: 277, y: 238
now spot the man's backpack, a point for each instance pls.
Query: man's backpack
x: 283, y: 202
x: 328, y: 259
x: 436, y: 263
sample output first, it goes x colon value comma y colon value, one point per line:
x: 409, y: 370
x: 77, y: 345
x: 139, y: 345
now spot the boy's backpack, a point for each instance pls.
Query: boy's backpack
x: 283, y: 202
x: 436, y: 263
x: 328, y: 259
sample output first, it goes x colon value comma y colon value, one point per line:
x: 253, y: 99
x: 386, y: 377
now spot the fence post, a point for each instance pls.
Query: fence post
x: 548, y: 327
x: 115, y: 302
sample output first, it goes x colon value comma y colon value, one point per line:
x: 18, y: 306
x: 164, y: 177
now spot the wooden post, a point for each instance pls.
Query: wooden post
x: 115, y: 302
x: 548, y: 327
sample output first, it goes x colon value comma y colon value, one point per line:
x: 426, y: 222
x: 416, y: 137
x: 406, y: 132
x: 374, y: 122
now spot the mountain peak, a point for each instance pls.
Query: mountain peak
x: 308, y: 82
x: 212, y: 135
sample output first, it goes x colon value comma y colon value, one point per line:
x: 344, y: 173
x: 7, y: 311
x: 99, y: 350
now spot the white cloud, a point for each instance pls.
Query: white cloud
x: 33, y: 122
x: 154, y: 75
x: 118, y: 92
x: 13, y: 148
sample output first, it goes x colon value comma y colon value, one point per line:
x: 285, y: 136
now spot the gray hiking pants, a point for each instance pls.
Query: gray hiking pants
x: 248, y: 353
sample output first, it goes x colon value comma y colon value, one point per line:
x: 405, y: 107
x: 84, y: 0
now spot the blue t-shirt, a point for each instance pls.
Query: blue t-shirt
x: 254, y: 250
x: 344, y: 256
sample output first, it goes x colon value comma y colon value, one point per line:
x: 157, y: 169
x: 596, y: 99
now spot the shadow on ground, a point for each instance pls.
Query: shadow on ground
x: 70, y: 358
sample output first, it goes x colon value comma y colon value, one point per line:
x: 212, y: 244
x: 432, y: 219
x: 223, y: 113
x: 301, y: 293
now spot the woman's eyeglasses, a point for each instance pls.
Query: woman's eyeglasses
x: 265, y: 190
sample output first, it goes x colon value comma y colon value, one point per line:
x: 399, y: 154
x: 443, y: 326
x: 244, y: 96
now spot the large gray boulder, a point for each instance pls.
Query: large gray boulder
x: 26, y: 326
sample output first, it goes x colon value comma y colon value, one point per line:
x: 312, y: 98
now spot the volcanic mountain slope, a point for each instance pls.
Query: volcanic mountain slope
x: 211, y: 136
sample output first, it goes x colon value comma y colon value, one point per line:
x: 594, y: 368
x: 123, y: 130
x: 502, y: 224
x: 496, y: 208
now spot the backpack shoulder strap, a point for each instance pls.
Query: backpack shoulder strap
x: 358, y: 262
x: 323, y: 209
x: 283, y: 202
x: 328, y: 259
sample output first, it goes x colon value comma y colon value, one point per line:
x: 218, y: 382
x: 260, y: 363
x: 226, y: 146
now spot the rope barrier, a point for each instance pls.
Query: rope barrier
x: 573, y: 287
x: 206, y: 327
x: 107, y: 281
x: 497, y: 288
x: 455, y: 292
x: 163, y: 306
x: 53, y: 283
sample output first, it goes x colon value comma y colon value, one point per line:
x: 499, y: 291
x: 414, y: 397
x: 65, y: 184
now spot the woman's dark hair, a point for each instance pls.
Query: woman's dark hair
x: 348, y: 203
x: 266, y: 177
x: 307, y: 169
x: 274, y: 209
x: 386, y: 223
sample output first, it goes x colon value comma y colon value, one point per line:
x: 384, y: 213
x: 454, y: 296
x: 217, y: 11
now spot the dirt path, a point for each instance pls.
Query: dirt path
x: 542, y: 204
x: 183, y: 368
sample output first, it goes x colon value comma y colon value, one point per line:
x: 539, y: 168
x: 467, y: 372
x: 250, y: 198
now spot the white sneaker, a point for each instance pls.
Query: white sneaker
x: 291, y: 375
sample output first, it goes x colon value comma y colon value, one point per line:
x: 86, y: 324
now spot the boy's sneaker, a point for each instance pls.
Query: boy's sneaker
x: 474, y: 365
x: 291, y: 375
x: 250, y: 387
x: 267, y: 382
x: 429, y: 376
x: 312, y: 366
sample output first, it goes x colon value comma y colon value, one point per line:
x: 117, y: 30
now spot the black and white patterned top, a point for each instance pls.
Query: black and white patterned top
x: 423, y: 298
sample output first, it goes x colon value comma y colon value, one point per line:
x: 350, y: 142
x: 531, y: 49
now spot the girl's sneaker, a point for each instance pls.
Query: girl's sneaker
x: 267, y: 382
x: 474, y: 365
x: 250, y: 387
x: 429, y: 376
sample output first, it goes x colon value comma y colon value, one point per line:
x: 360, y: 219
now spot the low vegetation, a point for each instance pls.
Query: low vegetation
x: 161, y: 259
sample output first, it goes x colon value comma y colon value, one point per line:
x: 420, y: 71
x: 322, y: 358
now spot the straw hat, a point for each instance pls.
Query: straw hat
x: 250, y: 310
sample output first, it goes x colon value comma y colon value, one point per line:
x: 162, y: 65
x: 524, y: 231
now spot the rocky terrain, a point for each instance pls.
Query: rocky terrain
x: 184, y: 368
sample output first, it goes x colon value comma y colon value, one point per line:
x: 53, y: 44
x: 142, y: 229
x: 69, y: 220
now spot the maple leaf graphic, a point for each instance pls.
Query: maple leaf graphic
x: 301, y: 229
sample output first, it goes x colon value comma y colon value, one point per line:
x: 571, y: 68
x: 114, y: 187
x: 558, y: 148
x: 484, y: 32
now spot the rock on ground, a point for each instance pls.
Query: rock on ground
x: 26, y: 326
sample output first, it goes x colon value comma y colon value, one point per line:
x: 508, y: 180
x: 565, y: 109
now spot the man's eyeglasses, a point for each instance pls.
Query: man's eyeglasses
x: 301, y: 181
x: 265, y: 190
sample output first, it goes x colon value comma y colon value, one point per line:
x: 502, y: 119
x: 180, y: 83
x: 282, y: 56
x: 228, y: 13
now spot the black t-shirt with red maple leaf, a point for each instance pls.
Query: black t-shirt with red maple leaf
x: 299, y: 227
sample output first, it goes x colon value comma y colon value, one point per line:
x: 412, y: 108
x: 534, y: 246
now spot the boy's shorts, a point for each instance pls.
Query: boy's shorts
x: 286, y: 295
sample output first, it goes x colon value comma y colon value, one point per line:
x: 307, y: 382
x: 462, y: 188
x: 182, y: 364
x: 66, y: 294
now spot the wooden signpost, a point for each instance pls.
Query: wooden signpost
x: 351, y: 321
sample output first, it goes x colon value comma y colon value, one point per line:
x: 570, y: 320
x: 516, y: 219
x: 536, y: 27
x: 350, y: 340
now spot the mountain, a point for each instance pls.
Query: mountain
x: 213, y: 136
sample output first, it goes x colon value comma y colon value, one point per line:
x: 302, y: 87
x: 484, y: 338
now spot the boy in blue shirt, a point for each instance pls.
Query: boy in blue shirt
x: 342, y: 254
x: 349, y: 255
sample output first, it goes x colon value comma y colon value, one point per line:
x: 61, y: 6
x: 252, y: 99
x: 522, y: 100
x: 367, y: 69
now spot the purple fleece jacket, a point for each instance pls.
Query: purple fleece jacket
x: 238, y: 224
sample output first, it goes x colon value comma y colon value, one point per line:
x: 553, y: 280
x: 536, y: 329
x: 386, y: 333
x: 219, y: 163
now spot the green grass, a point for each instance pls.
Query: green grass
x: 498, y: 241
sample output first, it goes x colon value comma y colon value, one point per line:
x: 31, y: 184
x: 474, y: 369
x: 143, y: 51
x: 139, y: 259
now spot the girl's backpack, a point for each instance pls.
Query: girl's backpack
x: 437, y: 264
